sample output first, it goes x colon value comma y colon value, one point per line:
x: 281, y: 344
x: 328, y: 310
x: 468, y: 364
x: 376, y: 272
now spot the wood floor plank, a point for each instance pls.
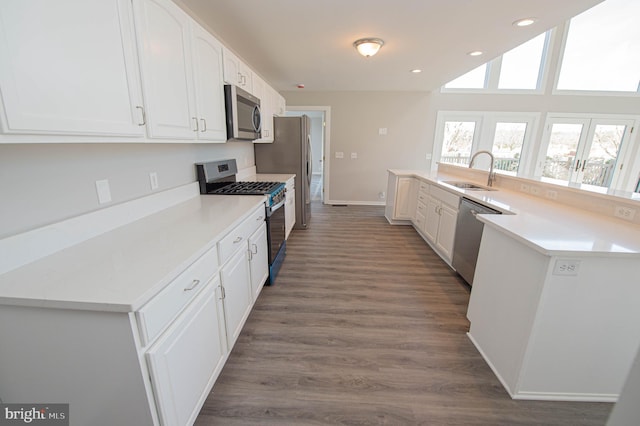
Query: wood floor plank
x: 366, y: 325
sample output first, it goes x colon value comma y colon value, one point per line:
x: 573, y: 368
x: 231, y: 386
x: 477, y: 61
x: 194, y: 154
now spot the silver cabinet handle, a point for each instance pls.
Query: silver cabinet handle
x: 223, y: 295
x: 254, y: 249
x: 204, y: 125
x: 196, y: 121
x: 473, y: 212
x: 144, y: 116
x: 577, y: 166
x: 193, y: 285
x: 259, y: 219
x: 237, y: 240
x: 239, y: 78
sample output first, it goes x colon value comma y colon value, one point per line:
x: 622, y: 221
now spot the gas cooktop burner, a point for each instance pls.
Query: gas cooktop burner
x: 249, y: 188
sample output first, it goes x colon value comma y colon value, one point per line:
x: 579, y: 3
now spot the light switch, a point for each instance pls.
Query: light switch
x: 354, y: 155
x: 103, y: 190
x: 382, y: 131
x: 339, y: 154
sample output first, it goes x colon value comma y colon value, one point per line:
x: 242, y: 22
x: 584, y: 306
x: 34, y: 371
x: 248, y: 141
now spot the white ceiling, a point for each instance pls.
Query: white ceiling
x: 311, y: 42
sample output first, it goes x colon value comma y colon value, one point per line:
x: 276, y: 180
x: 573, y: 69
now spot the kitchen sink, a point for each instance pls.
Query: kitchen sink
x: 469, y: 186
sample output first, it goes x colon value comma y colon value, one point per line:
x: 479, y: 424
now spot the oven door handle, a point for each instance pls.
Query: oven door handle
x: 277, y: 206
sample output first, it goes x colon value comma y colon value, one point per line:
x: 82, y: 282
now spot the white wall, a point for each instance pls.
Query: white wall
x: 355, y: 120
x: 45, y: 183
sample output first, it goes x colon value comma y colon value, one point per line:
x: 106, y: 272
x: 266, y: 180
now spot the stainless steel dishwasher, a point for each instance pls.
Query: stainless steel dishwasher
x: 468, y: 236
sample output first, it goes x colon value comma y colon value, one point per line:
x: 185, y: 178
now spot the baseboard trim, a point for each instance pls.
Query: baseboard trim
x: 356, y: 203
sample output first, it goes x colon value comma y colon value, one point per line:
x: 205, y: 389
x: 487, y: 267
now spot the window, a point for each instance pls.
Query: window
x: 588, y: 151
x: 457, y: 142
x: 506, y: 135
x: 508, y: 140
x: 601, y: 49
x: 521, y: 68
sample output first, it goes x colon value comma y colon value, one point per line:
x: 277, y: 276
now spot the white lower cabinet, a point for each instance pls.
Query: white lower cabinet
x: 258, y: 260
x: 187, y: 359
x: 236, y: 293
x: 289, y: 207
x: 440, y: 221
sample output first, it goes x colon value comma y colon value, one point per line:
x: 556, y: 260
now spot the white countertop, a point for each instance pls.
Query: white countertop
x: 122, y: 269
x: 553, y: 229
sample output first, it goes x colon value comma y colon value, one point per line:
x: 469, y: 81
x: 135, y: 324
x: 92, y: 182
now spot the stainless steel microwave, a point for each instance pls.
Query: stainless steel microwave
x: 243, y: 114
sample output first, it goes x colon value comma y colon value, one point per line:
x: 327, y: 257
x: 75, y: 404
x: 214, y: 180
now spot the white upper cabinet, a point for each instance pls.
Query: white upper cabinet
x: 68, y: 67
x: 165, y: 59
x: 237, y: 72
x: 209, y: 85
x: 181, y: 72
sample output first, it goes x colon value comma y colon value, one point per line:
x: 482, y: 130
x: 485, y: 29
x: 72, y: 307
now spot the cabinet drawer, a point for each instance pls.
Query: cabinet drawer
x: 158, y: 313
x: 239, y: 236
x: 445, y: 196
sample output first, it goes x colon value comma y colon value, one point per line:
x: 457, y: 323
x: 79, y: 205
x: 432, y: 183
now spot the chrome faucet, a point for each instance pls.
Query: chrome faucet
x: 491, y: 173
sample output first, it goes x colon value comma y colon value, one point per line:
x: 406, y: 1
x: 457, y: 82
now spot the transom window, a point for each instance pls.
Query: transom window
x: 601, y: 49
x: 521, y: 68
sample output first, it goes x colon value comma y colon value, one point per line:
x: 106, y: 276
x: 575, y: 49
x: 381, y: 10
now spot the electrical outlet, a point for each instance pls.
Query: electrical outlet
x: 354, y: 155
x: 623, y: 212
x: 534, y: 190
x: 382, y: 131
x: 103, y: 190
x: 382, y: 195
x: 524, y: 187
x: 153, y: 179
x: 339, y: 154
x: 552, y: 195
x: 567, y: 267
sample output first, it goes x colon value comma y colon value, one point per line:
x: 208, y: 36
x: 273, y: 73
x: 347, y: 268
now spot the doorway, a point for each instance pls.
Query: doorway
x: 320, y: 122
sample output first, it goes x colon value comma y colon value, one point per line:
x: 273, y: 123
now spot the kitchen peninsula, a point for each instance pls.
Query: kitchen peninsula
x: 553, y: 306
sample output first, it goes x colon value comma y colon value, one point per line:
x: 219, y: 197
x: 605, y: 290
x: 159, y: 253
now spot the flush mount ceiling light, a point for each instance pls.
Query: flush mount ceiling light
x: 416, y: 71
x: 524, y: 22
x: 475, y: 53
x: 368, y: 46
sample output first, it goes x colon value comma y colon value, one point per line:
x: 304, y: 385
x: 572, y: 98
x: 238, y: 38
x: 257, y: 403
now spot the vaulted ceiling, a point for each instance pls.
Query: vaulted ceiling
x: 311, y: 42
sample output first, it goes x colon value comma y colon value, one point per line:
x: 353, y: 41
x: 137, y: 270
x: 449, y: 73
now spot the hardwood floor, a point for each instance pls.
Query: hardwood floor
x: 365, y: 326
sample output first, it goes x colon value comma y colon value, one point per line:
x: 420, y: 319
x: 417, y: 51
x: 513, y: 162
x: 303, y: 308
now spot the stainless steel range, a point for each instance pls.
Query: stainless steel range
x: 219, y: 178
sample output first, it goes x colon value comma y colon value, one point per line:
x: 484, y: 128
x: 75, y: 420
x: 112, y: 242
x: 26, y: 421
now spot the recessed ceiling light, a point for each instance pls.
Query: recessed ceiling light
x: 475, y: 53
x: 416, y: 71
x: 524, y: 22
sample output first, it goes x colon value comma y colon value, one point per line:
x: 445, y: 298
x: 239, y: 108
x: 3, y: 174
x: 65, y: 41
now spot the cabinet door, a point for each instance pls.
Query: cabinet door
x: 186, y: 360
x: 405, y: 198
x: 69, y: 67
x: 236, y: 286
x: 164, y: 44
x: 290, y: 210
x: 432, y: 221
x: 209, y: 86
x: 231, y: 68
x: 447, y: 231
x: 259, y: 259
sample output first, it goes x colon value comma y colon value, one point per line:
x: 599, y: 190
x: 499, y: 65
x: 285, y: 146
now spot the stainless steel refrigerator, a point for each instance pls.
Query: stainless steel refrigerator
x: 290, y: 153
